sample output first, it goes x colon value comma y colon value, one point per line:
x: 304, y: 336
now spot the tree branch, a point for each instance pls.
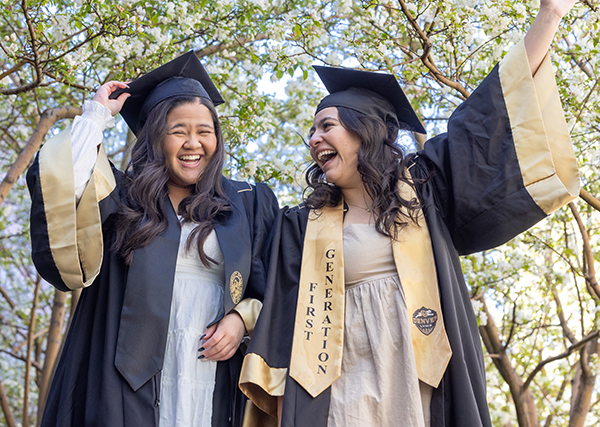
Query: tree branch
x: 28, y: 362
x: 426, y: 57
x: 12, y: 69
x: 48, y: 119
x: 7, y: 297
x: 36, y: 58
x: 566, y: 353
x: 5, y: 404
x: 53, y: 344
x: 36, y: 365
x: 589, y: 199
x: 239, y: 41
x: 590, y: 271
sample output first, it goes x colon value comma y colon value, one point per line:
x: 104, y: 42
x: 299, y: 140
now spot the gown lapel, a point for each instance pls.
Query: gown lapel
x: 149, y: 290
x: 147, y: 305
x: 234, y: 240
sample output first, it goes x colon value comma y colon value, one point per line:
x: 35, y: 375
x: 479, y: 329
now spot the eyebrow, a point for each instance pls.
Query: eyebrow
x: 202, y: 125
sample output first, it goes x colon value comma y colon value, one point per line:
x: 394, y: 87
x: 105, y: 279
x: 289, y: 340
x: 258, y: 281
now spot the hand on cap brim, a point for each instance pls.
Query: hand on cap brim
x: 114, y: 105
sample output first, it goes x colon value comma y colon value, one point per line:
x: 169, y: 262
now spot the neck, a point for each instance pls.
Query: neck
x: 359, y: 207
x: 358, y: 197
x: 177, y: 193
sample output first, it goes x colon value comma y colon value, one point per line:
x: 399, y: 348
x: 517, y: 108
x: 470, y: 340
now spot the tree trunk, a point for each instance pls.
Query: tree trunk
x: 583, y: 386
x: 55, y: 335
x: 8, y: 415
x: 30, y: 337
x: 523, y: 398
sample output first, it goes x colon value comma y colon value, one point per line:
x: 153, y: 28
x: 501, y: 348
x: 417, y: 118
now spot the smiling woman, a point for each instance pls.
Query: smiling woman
x: 189, y: 146
x: 169, y: 254
x: 367, y: 318
x: 335, y: 149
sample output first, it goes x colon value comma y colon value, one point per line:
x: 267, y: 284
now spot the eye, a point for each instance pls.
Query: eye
x: 327, y: 125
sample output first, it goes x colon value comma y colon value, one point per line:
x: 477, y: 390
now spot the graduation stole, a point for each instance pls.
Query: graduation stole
x: 318, y: 341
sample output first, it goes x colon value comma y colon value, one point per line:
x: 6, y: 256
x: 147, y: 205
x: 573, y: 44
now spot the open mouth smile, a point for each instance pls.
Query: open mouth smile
x: 326, y: 155
x: 190, y: 159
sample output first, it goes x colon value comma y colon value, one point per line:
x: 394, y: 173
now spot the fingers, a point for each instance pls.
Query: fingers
x: 103, y: 96
x: 106, y: 89
x: 209, y: 332
x: 222, y: 342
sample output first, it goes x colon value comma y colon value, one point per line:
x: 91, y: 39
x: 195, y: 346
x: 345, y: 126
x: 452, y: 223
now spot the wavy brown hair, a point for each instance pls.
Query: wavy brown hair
x: 142, y: 214
x: 381, y: 164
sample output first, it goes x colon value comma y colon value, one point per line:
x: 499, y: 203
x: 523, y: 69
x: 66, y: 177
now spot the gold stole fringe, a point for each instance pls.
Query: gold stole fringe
x: 319, y: 329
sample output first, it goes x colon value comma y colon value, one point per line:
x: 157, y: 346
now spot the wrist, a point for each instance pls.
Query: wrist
x: 100, y: 114
x: 550, y: 16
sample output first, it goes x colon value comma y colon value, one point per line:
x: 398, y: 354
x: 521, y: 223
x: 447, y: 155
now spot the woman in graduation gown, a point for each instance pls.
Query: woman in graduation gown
x: 367, y: 319
x: 168, y: 255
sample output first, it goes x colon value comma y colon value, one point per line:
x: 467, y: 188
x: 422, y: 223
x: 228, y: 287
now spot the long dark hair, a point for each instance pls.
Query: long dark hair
x: 381, y: 164
x: 142, y: 215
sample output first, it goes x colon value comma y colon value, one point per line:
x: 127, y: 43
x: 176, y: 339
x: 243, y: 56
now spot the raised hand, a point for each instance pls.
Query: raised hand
x: 559, y: 7
x: 102, y: 96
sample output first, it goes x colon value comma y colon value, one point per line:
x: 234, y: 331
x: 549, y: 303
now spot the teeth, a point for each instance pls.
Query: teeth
x: 188, y: 158
x: 325, y: 154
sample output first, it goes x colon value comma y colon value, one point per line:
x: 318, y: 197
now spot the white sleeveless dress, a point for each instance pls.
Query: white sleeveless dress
x: 187, y: 383
x: 378, y: 385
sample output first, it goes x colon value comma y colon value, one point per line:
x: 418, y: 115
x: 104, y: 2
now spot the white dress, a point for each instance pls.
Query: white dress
x: 378, y: 385
x: 187, y: 383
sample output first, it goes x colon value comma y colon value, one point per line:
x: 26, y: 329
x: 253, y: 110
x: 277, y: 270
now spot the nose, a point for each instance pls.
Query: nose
x: 315, y: 139
x: 192, y: 141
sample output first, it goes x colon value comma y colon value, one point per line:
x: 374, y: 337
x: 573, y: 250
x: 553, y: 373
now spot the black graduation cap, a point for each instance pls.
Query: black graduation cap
x: 184, y: 75
x: 368, y: 92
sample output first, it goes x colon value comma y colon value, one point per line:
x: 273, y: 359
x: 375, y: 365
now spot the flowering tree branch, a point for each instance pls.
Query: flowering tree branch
x: 36, y: 58
x: 426, y: 56
x: 566, y: 353
x: 48, y: 119
x: 589, y: 272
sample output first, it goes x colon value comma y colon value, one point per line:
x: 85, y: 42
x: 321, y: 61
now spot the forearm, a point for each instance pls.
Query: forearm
x: 86, y: 136
x: 539, y: 37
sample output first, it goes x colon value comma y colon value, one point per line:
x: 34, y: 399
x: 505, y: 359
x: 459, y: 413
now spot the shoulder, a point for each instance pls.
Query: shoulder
x: 258, y: 200
x: 298, y: 210
x: 296, y: 215
x: 238, y: 186
x: 247, y: 190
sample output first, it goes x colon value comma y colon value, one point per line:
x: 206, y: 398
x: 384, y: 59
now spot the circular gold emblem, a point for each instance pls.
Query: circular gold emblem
x: 235, y: 287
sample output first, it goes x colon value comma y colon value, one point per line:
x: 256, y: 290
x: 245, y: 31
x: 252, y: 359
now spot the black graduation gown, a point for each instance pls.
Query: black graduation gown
x: 505, y: 163
x: 109, y: 371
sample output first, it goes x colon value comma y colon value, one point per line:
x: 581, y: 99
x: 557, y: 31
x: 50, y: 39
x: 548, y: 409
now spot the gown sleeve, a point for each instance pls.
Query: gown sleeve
x: 506, y: 161
x: 267, y: 359
x: 86, y: 136
x: 66, y: 230
x: 264, y: 213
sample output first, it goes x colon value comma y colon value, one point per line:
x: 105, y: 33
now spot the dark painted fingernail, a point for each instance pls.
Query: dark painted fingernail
x: 201, y: 349
x: 202, y: 337
x: 201, y: 357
